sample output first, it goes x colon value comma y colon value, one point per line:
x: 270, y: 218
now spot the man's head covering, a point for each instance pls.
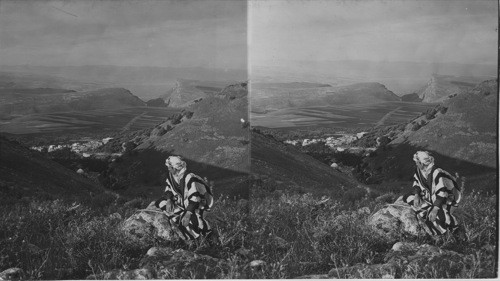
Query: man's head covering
x: 175, y: 162
x: 423, y: 157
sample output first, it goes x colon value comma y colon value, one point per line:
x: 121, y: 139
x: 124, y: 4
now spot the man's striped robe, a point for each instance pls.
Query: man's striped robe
x: 436, y: 192
x: 187, y: 195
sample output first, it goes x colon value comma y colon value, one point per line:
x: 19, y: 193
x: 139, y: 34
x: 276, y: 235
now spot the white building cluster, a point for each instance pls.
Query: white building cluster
x: 77, y: 147
x: 332, y: 142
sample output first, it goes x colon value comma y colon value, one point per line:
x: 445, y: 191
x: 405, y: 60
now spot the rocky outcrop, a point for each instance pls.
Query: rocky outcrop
x: 150, y: 222
x: 165, y: 263
x: 442, y: 87
x: 12, y: 274
x: 410, y: 260
x: 394, y: 219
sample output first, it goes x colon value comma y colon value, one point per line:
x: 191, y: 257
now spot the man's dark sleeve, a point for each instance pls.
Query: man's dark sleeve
x: 167, y: 195
x: 192, y: 206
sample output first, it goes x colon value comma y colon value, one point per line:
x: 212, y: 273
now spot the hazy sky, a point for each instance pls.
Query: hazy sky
x: 145, y: 33
x: 214, y: 33
x: 393, y: 30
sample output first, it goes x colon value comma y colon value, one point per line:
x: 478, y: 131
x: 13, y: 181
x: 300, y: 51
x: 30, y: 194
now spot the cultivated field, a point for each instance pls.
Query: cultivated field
x: 134, y: 118
x: 342, y: 116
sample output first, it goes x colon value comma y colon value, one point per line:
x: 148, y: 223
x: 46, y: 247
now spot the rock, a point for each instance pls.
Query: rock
x: 159, y: 251
x: 403, y: 246
x: 165, y: 263
x: 151, y: 223
x: 186, y: 265
x: 386, y: 198
x: 255, y: 264
x: 13, y: 273
x: 243, y: 252
x: 410, y: 260
x: 120, y: 274
x: 80, y: 171
x: 364, y: 211
x: 115, y: 216
x: 396, y: 218
x: 334, y: 165
x: 427, y: 261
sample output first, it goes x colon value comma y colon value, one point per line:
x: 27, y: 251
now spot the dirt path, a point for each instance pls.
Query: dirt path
x: 127, y: 126
x: 383, y: 119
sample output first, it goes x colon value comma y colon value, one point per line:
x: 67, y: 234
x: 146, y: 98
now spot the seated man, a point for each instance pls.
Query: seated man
x: 434, y: 195
x: 186, y: 198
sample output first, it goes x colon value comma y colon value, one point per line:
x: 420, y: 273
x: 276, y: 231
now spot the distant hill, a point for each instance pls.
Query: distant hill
x: 283, y: 167
x: 401, y: 77
x: 462, y: 136
x: 291, y: 85
x: 442, y: 87
x: 15, y: 101
x: 186, y: 92
x: 411, y: 98
x: 26, y: 173
x: 158, y: 102
x: 269, y: 97
x: 21, y: 80
x: 144, y: 81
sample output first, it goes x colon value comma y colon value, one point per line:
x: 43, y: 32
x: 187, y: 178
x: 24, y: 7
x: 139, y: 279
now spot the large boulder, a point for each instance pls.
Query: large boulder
x: 151, y: 222
x: 411, y: 260
x: 12, y: 274
x: 395, y: 219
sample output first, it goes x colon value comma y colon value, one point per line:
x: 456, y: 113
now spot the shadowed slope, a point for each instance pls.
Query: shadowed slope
x: 214, y: 134
x: 290, y: 169
x: 27, y: 173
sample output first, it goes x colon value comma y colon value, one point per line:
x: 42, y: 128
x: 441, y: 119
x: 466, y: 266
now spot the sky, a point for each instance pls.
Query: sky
x: 213, y: 33
x: 386, y: 30
x: 162, y: 33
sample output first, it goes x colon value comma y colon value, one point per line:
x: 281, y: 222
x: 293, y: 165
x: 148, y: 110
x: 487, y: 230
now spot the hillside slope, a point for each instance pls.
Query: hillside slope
x: 29, y: 174
x: 441, y: 87
x: 214, y: 134
x: 463, y: 139
x: 283, y: 167
x: 187, y: 92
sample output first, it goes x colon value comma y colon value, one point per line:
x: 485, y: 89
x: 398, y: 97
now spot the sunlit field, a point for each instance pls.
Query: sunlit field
x: 342, y: 116
x: 134, y: 118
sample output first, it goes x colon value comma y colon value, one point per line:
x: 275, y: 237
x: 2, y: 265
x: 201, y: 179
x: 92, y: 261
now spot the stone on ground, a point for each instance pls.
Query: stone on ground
x: 150, y: 222
x: 395, y: 218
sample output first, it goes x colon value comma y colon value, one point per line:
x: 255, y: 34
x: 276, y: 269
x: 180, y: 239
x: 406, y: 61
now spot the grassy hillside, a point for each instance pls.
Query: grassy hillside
x: 282, y: 167
x: 214, y: 134
x: 187, y: 92
x: 462, y: 135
